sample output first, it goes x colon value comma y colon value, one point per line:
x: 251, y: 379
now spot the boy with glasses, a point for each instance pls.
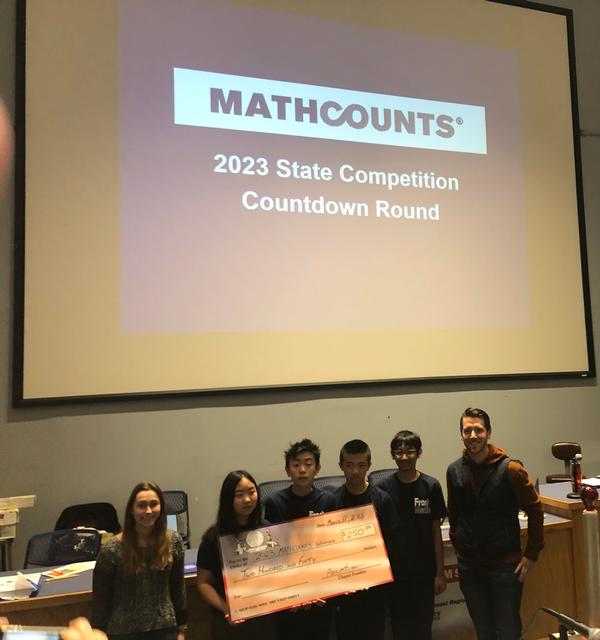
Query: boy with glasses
x: 418, y: 559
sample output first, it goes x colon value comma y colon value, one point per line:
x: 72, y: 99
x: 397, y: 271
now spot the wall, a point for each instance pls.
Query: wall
x: 74, y: 454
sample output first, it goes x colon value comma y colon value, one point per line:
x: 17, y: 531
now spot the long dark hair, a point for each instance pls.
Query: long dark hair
x: 226, y: 518
x: 134, y: 560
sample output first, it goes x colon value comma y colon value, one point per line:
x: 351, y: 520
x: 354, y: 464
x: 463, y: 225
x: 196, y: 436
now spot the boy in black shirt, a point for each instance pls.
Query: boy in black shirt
x: 362, y: 614
x: 301, y: 499
x: 419, y: 558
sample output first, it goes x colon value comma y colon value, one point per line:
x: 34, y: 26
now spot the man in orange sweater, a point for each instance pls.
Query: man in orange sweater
x: 486, y: 489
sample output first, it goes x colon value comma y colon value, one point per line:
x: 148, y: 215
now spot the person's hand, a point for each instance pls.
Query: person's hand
x: 439, y: 585
x: 181, y: 635
x: 80, y: 629
x: 305, y: 606
x: 232, y: 622
x: 523, y: 568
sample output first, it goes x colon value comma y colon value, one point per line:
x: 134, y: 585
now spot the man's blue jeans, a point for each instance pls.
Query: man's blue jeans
x: 493, y: 596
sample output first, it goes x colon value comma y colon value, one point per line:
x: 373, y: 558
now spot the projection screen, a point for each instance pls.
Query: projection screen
x: 232, y: 194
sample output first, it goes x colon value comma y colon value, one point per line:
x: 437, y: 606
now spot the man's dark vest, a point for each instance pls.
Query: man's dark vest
x: 486, y: 526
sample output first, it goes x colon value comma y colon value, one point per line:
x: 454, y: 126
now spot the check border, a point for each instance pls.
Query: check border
x: 281, y: 566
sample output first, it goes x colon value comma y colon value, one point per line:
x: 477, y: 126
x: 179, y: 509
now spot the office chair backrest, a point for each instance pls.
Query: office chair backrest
x: 65, y: 546
x: 375, y: 477
x: 329, y: 483
x: 272, y: 486
x: 96, y: 515
x: 564, y: 451
x: 177, y: 505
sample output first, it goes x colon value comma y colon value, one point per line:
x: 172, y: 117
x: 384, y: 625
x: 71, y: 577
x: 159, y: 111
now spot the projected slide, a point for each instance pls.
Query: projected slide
x: 243, y: 194
x: 269, y: 184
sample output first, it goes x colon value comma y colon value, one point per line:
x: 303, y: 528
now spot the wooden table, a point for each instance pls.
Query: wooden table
x: 57, y: 610
x: 554, y: 500
x: 63, y: 600
x: 550, y: 584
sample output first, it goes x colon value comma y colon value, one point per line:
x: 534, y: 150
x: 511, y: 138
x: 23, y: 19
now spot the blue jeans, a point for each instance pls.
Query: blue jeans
x: 493, y: 596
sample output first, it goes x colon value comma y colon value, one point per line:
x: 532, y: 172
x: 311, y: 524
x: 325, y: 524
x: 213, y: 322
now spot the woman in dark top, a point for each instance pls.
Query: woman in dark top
x: 239, y: 510
x: 138, y: 588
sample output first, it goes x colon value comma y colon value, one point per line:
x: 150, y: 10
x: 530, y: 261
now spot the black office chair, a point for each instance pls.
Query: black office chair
x: 329, y: 483
x: 564, y: 451
x: 177, y: 505
x: 272, y: 486
x: 96, y: 515
x: 375, y: 477
x: 56, y: 548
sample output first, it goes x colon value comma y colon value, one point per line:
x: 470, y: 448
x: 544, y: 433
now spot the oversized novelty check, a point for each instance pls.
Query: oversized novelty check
x: 286, y: 565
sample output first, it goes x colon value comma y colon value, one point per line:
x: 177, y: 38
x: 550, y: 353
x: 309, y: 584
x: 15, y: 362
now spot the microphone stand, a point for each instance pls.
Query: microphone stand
x: 562, y: 632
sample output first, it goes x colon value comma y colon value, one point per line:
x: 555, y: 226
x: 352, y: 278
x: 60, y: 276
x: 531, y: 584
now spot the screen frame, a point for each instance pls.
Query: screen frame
x: 18, y: 373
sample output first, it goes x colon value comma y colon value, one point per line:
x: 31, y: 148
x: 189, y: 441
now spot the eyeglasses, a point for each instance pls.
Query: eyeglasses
x: 409, y: 453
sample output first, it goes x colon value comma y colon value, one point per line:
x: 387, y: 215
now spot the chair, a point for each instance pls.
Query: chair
x: 375, y: 477
x: 96, y: 515
x: 329, y: 483
x: 65, y: 546
x: 564, y: 451
x: 272, y: 486
x: 177, y: 505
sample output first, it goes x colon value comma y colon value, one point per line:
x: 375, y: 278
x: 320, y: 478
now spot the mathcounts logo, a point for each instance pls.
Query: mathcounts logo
x: 241, y: 103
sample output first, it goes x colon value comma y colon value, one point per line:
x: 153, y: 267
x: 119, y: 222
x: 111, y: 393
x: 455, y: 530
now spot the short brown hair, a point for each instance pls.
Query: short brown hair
x: 474, y: 412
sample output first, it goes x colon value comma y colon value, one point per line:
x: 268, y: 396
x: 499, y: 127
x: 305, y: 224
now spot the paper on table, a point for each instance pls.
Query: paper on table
x: 32, y: 578
x: 69, y: 570
x: 15, y: 587
x: 592, y: 482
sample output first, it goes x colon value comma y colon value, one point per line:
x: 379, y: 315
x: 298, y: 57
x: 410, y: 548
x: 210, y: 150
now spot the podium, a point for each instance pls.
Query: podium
x: 554, y: 500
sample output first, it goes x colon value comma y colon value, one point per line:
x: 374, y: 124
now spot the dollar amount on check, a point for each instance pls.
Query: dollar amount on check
x: 286, y: 565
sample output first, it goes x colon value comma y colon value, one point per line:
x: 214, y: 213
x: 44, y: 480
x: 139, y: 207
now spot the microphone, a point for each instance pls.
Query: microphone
x: 589, y: 632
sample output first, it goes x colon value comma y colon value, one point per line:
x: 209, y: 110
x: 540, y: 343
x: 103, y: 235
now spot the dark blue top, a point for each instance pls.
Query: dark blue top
x: 384, y: 508
x: 418, y: 503
x: 285, y: 505
x: 209, y: 555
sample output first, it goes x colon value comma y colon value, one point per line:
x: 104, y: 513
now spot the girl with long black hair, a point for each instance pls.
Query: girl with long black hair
x: 239, y: 511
